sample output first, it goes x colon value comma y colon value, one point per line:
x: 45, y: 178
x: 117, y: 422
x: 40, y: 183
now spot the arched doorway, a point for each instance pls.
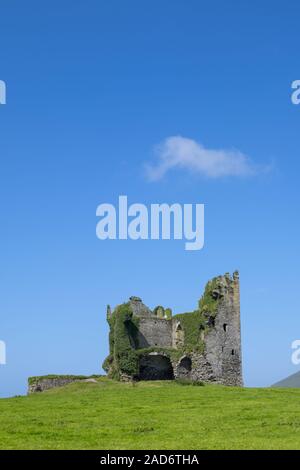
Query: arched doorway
x: 156, y: 367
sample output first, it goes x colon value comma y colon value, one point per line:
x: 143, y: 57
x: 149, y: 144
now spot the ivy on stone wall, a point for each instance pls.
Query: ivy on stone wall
x: 208, y: 304
x: 172, y: 353
x: 122, y: 341
x: 124, y: 354
x: 192, y: 323
x: 197, y: 323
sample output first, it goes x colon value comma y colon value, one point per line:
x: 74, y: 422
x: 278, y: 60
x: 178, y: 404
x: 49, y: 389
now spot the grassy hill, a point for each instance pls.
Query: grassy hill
x: 151, y: 415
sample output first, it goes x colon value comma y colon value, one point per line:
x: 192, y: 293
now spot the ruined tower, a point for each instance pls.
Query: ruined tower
x: 202, y: 345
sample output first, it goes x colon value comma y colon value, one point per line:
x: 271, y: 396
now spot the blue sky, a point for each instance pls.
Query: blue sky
x: 92, y: 88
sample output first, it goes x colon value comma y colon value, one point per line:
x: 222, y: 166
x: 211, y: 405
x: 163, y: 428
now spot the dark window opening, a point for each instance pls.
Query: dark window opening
x: 232, y: 352
x: 225, y: 327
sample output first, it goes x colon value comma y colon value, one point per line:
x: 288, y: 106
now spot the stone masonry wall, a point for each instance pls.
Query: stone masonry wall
x: 223, y: 343
x: 155, y: 332
x: 43, y: 383
x: 214, y: 357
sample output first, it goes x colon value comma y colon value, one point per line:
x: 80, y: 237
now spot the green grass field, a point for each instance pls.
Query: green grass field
x: 151, y: 415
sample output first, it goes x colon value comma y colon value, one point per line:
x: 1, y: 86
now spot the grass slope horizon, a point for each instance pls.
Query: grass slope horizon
x: 161, y: 415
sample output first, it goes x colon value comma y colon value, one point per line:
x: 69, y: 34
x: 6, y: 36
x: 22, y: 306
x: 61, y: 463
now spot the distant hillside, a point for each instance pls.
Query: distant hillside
x: 293, y: 381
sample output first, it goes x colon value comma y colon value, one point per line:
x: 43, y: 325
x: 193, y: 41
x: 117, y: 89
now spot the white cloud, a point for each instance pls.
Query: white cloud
x: 187, y: 154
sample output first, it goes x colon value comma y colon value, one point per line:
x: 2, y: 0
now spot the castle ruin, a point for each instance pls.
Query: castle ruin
x: 202, y: 345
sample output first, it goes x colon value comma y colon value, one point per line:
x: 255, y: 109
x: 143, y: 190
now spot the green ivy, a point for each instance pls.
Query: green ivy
x: 168, y: 313
x: 192, y: 324
x: 124, y: 328
x: 107, y: 363
x: 171, y: 353
x: 122, y: 342
x: 36, y: 379
x: 208, y: 304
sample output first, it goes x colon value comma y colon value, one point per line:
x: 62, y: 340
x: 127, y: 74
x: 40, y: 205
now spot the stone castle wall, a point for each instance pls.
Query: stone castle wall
x: 216, y: 355
x: 155, y: 332
x: 44, y: 383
